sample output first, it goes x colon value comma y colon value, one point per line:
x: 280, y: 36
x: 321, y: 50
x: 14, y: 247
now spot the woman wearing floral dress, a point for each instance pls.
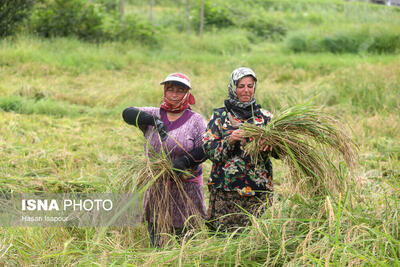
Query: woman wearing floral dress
x: 235, y: 183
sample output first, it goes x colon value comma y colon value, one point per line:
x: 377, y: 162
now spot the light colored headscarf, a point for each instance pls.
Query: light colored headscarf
x: 240, y: 109
x: 236, y: 75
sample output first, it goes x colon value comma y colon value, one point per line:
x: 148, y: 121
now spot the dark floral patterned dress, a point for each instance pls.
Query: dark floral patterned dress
x: 234, y: 179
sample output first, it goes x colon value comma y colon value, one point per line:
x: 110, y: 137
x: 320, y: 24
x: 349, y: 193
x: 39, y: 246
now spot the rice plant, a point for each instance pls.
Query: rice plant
x: 162, y: 188
x: 307, y: 140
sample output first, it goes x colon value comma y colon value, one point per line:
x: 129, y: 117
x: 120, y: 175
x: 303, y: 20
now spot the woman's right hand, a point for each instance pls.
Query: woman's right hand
x: 236, y: 135
x: 162, y: 129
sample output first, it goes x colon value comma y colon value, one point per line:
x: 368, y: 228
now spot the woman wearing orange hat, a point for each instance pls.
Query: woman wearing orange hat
x: 180, y: 130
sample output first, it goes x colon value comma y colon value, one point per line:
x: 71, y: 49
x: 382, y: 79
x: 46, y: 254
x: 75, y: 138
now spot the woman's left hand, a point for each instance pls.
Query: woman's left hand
x: 265, y: 147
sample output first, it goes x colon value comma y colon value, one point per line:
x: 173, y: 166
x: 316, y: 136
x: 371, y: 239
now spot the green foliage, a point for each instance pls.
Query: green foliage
x: 227, y: 43
x: 109, y: 5
x: 215, y: 15
x: 169, y: 19
x: 130, y: 28
x: 12, y: 103
x: 47, y: 106
x: 67, y: 17
x: 385, y: 41
x: 88, y: 22
x: 266, y: 27
x: 12, y: 13
x: 30, y: 106
x: 355, y: 40
x: 300, y: 5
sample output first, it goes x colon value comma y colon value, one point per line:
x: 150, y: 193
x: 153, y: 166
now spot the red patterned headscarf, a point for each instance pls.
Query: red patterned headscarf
x: 186, y: 100
x: 185, y: 103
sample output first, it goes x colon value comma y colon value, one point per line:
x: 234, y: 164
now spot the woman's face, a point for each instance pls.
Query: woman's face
x: 245, y: 89
x: 174, y: 92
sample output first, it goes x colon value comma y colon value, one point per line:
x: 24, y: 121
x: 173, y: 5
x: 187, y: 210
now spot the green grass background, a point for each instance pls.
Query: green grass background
x: 61, y: 131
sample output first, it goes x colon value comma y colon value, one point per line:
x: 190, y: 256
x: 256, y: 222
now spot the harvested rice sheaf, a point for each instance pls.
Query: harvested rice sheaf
x: 308, y: 141
x: 155, y: 178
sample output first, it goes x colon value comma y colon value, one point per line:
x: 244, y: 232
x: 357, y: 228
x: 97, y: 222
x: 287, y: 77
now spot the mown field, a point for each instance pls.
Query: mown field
x: 61, y: 131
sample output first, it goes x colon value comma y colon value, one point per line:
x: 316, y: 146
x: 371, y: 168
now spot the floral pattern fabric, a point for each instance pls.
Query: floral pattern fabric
x: 225, y: 210
x: 232, y: 169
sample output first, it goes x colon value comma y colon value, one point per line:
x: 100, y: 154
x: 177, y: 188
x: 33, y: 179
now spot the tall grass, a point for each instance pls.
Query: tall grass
x: 358, y: 90
x: 366, y: 39
x: 287, y: 235
x: 48, y: 144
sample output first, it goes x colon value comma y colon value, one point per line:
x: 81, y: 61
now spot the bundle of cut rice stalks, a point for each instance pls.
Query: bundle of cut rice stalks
x: 163, y: 192
x: 309, y: 141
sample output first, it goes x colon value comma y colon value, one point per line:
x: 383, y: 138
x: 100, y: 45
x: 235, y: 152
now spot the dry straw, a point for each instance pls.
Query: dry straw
x: 163, y: 189
x: 309, y: 142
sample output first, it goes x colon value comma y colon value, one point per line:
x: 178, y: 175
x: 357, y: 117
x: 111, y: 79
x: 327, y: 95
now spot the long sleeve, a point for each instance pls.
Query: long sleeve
x: 197, y: 155
x: 232, y: 168
x: 137, y: 117
x: 215, y: 141
x: 198, y: 152
x: 142, y: 117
